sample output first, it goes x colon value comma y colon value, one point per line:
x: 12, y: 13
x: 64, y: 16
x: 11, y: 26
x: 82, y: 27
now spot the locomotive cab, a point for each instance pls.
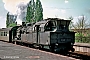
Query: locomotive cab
x: 57, y: 35
x: 57, y: 24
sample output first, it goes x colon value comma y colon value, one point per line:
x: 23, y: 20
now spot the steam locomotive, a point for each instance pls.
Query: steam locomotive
x: 50, y: 33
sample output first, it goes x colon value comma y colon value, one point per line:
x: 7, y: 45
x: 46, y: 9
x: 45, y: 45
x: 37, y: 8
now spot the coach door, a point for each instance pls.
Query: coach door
x: 10, y: 36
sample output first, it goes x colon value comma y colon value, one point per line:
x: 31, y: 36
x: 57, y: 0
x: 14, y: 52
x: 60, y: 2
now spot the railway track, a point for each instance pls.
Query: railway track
x: 76, y: 54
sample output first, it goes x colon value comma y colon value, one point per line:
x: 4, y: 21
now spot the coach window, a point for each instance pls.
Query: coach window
x: 1, y: 33
x: 4, y: 33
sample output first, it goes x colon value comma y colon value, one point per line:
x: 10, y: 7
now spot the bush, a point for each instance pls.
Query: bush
x: 82, y: 39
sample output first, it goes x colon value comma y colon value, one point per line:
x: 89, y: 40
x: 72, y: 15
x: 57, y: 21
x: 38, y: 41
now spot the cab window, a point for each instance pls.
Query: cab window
x: 50, y: 26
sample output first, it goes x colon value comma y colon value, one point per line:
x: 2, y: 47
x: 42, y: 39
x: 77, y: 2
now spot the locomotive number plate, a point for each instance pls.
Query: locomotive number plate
x: 63, y: 40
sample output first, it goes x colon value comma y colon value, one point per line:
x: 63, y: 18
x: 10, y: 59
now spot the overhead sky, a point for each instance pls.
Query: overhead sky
x: 51, y: 8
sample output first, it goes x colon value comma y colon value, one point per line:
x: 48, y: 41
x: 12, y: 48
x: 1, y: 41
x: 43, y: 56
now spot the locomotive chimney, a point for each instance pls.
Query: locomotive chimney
x: 23, y: 24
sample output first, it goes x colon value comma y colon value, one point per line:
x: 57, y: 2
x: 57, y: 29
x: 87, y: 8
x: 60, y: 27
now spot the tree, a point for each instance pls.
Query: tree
x: 30, y: 11
x: 81, y: 26
x: 7, y: 20
x: 34, y: 11
x: 38, y: 11
x: 10, y: 20
x: 12, y: 24
x: 81, y: 23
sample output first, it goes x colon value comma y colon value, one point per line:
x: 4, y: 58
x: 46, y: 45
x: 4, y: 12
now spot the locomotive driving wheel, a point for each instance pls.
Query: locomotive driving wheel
x: 72, y: 49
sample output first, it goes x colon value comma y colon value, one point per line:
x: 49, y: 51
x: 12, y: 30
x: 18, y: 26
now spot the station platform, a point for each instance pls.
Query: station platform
x: 9, y: 51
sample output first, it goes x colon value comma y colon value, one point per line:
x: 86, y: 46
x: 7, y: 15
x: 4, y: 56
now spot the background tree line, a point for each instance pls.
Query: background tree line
x: 34, y: 13
x: 81, y: 27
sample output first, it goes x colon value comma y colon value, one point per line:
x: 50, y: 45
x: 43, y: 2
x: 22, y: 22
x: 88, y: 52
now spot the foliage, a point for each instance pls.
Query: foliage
x: 80, y: 28
x: 81, y: 38
x: 38, y: 11
x: 34, y: 11
x: 30, y: 11
x: 7, y: 20
x: 78, y: 34
x: 12, y: 25
x: 84, y: 39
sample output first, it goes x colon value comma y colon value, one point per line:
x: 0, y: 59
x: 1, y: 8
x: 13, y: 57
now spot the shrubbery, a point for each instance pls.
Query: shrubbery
x: 81, y: 38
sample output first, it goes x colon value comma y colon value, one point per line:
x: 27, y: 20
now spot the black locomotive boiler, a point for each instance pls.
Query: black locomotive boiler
x: 50, y: 33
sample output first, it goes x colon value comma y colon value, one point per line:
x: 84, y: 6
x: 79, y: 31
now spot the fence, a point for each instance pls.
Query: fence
x: 82, y: 47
